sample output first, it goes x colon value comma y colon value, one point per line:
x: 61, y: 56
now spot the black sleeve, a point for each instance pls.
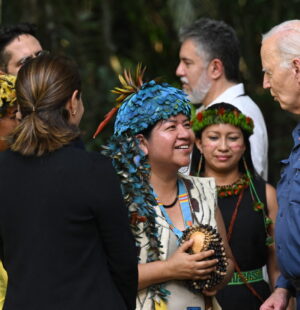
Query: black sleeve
x: 113, y: 221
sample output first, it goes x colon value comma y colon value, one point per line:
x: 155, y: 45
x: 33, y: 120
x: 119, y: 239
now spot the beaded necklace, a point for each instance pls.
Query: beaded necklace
x: 235, y: 188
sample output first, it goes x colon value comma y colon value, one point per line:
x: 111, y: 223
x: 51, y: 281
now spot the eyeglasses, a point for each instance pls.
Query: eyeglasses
x: 24, y: 60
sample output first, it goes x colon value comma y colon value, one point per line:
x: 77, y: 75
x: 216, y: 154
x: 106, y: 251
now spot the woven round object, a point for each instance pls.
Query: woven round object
x: 206, y: 238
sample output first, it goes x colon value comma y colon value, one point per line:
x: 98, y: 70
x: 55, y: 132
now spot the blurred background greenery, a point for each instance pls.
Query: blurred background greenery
x: 104, y: 36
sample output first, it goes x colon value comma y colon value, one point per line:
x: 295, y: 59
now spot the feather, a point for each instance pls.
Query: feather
x: 122, y: 80
x: 128, y: 87
x: 107, y: 118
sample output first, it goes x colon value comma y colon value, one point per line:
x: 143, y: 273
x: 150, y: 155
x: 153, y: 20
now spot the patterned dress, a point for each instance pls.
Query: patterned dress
x: 202, y: 196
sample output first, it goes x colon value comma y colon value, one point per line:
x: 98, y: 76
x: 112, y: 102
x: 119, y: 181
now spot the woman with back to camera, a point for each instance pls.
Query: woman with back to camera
x: 152, y: 140
x: 8, y: 121
x: 64, y: 233
x: 248, y: 204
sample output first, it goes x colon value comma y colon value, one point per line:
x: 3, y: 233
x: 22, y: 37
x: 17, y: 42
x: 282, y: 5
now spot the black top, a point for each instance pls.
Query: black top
x: 248, y: 247
x: 64, y: 235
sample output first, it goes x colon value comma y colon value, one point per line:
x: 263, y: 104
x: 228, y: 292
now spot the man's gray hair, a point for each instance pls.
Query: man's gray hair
x: 215, y: 39
x: 288, y: 41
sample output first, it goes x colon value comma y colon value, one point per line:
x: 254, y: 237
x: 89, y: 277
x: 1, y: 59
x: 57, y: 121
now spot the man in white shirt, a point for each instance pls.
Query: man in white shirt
x: 209, y: 72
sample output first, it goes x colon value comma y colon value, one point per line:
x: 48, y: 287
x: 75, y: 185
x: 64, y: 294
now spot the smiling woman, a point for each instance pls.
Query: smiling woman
x: 222, y: 137
x: 170, y: 143
x: 152, y: 140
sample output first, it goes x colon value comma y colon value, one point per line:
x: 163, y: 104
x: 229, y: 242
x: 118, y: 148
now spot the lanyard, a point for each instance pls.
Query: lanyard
x: 185, y: 210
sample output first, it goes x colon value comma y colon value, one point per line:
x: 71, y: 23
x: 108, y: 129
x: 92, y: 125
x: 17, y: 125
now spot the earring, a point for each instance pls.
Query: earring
x: 245, y: 166
x: 199, y: 165
x: 73, y: 113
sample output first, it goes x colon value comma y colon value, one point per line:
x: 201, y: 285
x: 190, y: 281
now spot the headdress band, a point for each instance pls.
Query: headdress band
x: 222, y: 116
x: 141, y: 105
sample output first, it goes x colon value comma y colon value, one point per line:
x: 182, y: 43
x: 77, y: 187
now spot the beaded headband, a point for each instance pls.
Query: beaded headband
x: 7, y: 92
x: 141, y: 105
x: 221, y: 115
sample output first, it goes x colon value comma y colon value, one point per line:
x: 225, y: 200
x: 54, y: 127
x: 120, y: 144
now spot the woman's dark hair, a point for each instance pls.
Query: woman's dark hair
x: 43, y: 87
x: 247, y: 155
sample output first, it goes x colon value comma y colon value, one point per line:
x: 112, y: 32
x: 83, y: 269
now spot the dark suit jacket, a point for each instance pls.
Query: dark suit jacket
x: 64, y: 234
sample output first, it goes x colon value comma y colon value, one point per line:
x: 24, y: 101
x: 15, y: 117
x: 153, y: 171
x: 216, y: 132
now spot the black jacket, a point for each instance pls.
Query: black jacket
x: 64, y: 234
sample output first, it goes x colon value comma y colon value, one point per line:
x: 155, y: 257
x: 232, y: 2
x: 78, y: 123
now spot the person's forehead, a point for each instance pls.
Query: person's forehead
x: 223, y: 128
x: 175, y: 118
x: 189, y: 49
x: 269, y: 51
x: 23, y: 45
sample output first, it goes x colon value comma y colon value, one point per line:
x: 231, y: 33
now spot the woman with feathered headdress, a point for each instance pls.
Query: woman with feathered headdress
x: 174, y: 218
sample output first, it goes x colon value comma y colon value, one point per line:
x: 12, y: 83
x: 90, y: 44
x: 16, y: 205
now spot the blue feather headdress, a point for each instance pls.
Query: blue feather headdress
x: 139, y: 106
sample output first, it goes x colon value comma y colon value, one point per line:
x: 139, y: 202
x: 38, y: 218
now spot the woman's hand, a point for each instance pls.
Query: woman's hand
x: 182, y: 265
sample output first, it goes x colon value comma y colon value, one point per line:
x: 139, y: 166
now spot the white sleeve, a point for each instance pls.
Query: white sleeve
x: 259, y: 139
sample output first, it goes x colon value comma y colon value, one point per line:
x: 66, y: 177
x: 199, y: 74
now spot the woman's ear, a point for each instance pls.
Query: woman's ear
x: 198, y: 144
x: 72, y: 104
x: 143, y: 143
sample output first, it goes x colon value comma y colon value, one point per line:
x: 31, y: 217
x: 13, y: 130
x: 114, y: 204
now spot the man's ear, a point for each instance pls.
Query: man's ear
x: 215, y: 68
x: 198, y: 144
x: 143, y: 143
x: 296, y: 68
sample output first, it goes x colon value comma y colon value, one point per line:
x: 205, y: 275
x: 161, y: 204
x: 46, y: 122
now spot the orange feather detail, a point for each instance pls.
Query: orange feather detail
x: 107, y: 118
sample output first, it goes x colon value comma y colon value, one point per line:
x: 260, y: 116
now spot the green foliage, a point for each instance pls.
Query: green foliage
x: 104, y: 36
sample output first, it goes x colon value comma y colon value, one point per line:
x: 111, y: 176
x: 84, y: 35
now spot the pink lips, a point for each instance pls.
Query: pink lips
x: 222, y: 158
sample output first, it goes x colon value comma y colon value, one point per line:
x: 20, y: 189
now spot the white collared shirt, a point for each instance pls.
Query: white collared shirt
x: 235, y: 95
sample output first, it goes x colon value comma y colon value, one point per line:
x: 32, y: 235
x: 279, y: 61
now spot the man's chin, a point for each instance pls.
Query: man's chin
x: 194, y: 100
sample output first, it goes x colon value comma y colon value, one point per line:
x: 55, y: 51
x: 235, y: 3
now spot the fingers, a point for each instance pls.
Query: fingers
x: 203, y: 273
x: 203, y: 268
x: 203, y: 255
x: 207, y: 264
x: 186, y: 245
x: 182, y: 265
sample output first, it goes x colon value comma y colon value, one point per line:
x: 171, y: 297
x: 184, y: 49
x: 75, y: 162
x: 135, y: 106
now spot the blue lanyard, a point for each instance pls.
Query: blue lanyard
x: 185, y: 209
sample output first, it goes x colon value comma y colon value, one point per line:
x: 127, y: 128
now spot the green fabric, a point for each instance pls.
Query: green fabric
x: 251, y: 276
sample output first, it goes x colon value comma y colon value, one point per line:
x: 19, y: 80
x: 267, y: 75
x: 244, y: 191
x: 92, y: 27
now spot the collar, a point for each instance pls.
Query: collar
x: 296, y: 135
x: 229, y: 94
x: 77, y: 143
